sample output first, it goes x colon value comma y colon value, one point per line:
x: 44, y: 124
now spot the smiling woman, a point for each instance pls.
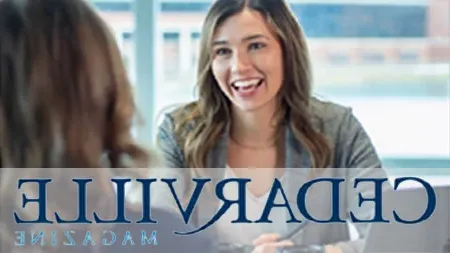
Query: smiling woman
x: 256, y: 118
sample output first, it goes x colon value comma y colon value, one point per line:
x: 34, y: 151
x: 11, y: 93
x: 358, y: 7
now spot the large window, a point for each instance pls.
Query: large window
x: 171, y: 56
x: 388, y: 60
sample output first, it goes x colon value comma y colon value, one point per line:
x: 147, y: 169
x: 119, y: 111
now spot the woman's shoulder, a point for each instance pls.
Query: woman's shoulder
x: 179, y: 114
x: 175, y: 123
x: 331, y: 118
x: 352, y: 144
x: 329, y: 111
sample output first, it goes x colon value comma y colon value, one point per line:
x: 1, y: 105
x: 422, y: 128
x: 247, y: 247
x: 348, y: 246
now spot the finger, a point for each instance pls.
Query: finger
x: 286, y: 243
x: 266, y: 238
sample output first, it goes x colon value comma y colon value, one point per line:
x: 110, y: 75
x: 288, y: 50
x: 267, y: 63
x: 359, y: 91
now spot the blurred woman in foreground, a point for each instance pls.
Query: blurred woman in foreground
x: 66, y: 102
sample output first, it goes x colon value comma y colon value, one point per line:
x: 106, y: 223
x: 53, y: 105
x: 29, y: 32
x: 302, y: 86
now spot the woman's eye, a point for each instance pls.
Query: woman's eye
x: 256, y: 46
x: 222, y: 51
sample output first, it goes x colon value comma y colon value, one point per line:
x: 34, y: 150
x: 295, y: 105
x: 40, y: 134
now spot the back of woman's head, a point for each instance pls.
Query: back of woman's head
x: 65, y: 101
x: 65, y: 98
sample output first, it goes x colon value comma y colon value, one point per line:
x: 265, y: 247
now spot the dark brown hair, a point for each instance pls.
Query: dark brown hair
x: 65, y: 101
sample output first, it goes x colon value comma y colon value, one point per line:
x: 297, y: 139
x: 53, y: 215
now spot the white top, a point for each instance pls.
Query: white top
x: 245, y: 233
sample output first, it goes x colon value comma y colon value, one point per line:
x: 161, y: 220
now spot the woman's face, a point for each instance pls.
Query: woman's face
x: 247, y: 61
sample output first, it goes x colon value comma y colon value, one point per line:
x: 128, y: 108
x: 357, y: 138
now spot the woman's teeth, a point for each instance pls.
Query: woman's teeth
x: 246, y: 84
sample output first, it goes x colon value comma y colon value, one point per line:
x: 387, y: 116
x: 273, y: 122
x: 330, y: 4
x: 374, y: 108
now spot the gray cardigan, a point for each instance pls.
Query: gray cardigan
x: 355, y: 157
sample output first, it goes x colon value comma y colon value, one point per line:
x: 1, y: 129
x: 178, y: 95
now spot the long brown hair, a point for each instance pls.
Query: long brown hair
x: 199, y: 125
x: 65, y: 101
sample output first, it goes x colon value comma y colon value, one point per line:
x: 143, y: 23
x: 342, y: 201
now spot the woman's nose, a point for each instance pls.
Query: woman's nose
x: 240, y: 63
